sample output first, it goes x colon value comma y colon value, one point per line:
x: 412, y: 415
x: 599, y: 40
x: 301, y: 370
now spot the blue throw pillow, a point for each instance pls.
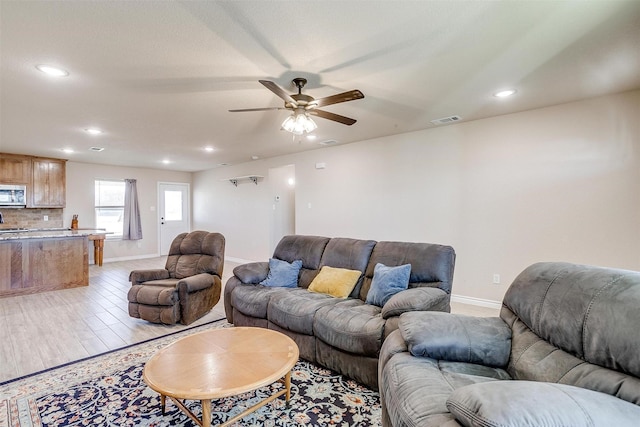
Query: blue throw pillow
x: 386, y: 282
x: 282, y: 274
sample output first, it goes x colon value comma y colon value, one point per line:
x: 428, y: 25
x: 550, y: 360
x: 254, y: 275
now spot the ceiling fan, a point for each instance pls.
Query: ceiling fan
x: 302, y: 106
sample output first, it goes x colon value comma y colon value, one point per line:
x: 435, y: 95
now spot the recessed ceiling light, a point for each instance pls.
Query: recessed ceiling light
x: 93, y: 131
x: 98, y: 149
x: 68, y: 150
x: 311, y: 137
x: 505, y: 93
x: 208, y: 149
x: 166, y: 161
x: 52, y: 71
x: 255, y: 157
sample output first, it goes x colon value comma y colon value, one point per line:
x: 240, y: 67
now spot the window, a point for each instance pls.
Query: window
x: 109, y: 203
x: 173, y: 205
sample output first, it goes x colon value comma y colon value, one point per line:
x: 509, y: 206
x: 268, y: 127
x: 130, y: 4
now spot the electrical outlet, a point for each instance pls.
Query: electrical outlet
x: 46, y: 218
x: 496, y: 279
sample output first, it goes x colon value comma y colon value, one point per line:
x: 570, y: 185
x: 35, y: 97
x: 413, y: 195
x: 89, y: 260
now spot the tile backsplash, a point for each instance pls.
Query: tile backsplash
x: 31, y: 218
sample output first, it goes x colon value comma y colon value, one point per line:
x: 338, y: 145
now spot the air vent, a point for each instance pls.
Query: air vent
x: 98, y: 149
x: 328, y: 142
x: 446, y: 120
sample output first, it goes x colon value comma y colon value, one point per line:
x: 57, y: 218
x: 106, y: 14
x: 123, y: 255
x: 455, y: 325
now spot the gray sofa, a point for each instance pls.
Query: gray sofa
x: 564, y: 352
x: 342, y: 334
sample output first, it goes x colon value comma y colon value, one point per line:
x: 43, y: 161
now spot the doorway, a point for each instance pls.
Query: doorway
x: 283, y: 190
x: 173, y: 212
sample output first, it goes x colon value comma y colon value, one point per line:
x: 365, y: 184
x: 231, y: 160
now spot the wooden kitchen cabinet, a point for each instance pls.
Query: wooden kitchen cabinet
x: 15, y: 169
x: 48, y: 183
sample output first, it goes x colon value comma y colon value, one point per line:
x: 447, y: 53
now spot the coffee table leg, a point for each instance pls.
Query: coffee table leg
x: 206, y: 412
x: 287, y: 385
x: 163, y: 401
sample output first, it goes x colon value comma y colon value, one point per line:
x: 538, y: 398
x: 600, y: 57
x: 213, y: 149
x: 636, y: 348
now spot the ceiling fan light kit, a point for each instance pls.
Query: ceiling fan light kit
x: 302, y: 106
x: 299, y: 123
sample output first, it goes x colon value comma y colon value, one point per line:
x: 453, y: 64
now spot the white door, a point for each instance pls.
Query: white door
x: 174, y: 214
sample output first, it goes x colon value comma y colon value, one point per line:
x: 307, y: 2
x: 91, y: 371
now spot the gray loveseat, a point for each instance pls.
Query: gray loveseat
x: 342, y: 334
x: 568, y: 338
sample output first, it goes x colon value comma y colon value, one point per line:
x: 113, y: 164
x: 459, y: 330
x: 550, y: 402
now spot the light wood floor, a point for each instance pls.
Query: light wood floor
x: 44, y: 330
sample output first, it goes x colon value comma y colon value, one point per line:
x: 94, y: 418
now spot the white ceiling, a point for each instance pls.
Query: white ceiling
x: 159, y: 77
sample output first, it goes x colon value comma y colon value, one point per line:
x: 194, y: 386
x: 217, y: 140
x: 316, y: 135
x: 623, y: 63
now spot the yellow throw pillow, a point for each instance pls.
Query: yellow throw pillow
x: 337, y: 282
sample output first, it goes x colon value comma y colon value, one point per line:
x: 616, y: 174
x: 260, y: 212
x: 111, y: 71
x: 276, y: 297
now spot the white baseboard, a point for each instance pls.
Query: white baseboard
x: 476, y: 301
x: 238, y: 260
x: 131, y: 258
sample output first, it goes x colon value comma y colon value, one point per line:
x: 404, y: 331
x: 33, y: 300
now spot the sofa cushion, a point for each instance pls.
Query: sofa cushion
x: 162, y: 282
x: 294, y: 309
x: 282, y: 274
x: 337, y: 282
x: 457, y: 338
x: 352, y: 254
x: 533, y: 403
x: 308, y: 249
x: 431, y: 265
x: 563, y: 315
x: 194, y: 253
x: 415, y: 389
x: 589, y: 312
x: 252, y: 300
x: 352, y: 326
x: 386, y: 282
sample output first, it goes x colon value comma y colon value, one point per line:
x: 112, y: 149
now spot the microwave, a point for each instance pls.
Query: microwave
x: 13, y: 195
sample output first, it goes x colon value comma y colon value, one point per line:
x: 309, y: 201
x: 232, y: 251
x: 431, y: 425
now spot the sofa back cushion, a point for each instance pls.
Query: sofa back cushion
x: 431, y: 264
x: 563, y: 315
x: 351, y: 254
x: 308, y: 249
x: 194, y: 253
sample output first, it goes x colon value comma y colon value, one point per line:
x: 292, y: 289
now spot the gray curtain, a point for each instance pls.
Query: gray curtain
x: 132, y: 227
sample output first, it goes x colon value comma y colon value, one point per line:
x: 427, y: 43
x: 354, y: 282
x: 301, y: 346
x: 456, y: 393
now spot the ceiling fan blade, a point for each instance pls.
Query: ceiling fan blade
x: 352, y: 95
x: 243, y: 110
x: 331, y: 116
x: 273, y: 87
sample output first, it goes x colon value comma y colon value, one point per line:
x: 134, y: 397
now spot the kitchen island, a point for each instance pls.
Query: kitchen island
x: 41, y: 260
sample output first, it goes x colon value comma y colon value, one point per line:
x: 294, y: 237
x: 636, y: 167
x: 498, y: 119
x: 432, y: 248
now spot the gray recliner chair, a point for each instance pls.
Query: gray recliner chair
x: 564, y: 352
x: 189, y: 285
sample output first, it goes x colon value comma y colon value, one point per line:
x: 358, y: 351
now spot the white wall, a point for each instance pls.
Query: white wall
x: 560, y: 183
x: 80, y: 201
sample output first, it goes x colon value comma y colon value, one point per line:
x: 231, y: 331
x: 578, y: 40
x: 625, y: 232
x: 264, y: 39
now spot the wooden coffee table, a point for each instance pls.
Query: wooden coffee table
x: 220, y: 363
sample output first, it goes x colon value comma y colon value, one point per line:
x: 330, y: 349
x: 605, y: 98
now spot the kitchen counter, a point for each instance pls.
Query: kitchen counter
x: 40, y: 260
x: 43, y: 233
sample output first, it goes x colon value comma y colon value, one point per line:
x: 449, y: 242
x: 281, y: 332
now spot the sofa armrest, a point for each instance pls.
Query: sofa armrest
x: 195, y: 283
x: 137, y: 277
x: 457, y: 338
x: 393, y: 344
x: 252, y: 273
x: 521, y: 403
x: 416, y: 299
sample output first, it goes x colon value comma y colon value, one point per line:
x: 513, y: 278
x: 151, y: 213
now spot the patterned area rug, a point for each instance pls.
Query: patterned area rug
x: 108, y: 390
